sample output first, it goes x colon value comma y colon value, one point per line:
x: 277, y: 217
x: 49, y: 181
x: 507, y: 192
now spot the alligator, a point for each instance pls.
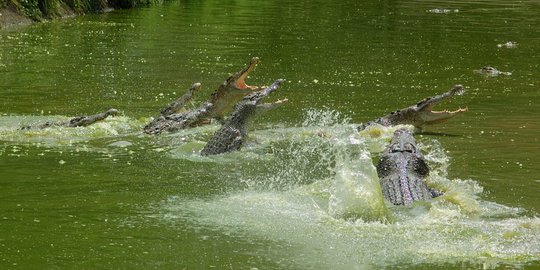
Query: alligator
x: 220, y: 102
x: 491, y: 71
x: 420, y: 114
x: 233, y: 134
x: 79, y: 121
x: 402, y: 170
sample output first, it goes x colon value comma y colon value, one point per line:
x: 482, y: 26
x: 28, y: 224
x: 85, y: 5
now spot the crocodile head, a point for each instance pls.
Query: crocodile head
x: 111, y: 112
x: 238, y: 80
x: 403, y: 141
x: 423, y: 114
x: 493, y: 72
x: 233, y: 90
x: 252, y: 103
x: 233, y: 134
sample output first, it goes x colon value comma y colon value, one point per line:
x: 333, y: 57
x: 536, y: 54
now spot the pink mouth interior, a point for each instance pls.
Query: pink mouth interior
x: 241, y: 84
x: 241, y: 81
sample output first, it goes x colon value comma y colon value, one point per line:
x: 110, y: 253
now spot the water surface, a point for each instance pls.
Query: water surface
x: 107, y: 196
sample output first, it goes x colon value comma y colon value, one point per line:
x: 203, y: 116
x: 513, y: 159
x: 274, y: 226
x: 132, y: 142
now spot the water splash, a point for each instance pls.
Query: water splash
x: 323, y: 118
x: 317, y: 201
x: 58, y: 136
x: 301, y: 155
x: 437, y: 234
x: 356, y: 191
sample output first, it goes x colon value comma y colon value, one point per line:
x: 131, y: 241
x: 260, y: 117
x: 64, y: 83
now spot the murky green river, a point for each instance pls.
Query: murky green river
x: 109, y: 197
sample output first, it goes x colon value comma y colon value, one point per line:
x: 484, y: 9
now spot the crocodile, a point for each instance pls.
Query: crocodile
x: 79, y: 121
x: 232, y: 90
x: 420, y: 114
x: 508, y: 44
x: 402, y: 170
x: 493, y: 72
x: 233, y: 134
x: 176, y: 107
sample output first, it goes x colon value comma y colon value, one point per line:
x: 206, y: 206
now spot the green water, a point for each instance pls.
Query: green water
x: 107, y: 196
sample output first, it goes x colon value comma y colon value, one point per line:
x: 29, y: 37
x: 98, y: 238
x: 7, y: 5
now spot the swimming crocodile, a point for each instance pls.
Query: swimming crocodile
x: 219, y: 103
x: 421, y: 113
x: 508, y: 44
x: 493, y: 72
x: 402, y: 170
x: 233, y: 134
x: 79, y: 121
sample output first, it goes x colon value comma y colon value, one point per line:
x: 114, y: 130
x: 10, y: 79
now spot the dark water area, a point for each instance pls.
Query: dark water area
x: 107, y: 196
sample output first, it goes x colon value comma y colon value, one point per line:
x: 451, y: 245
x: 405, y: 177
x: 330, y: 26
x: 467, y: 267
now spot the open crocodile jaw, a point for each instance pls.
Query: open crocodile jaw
x: 258, y: 96
x: 233, y: 90
x: 240, y: 81
x: 429, y: 116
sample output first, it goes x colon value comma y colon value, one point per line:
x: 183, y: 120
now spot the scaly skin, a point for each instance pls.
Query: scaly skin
x: 232, y: 135
x: 402, y: 170
x: 178, y: 104
x: 175, y: 122
x: 79, y: 121
x: 421, y: 114
x: 232, y: 90
x: 220, y: 102
x: 161, y: 122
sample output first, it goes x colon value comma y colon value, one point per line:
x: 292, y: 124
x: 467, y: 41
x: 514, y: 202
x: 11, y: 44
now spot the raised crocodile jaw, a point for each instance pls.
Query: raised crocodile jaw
x: 232, y: 135
x: 429, y: 116
x: 240, y: 77
x: 428, y: 103
x: 420, y: 113
x: 232, y: 90
x: 256, y: 97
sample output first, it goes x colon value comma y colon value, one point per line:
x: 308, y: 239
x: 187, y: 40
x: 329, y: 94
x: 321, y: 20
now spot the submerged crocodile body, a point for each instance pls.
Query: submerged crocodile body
x: 493, y: 72
x: 79, y: 121
x: 219, y: 103
x: 508, y: 44
x: 232, y: 135
x: 420, y: 114
x: 402, y: 170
